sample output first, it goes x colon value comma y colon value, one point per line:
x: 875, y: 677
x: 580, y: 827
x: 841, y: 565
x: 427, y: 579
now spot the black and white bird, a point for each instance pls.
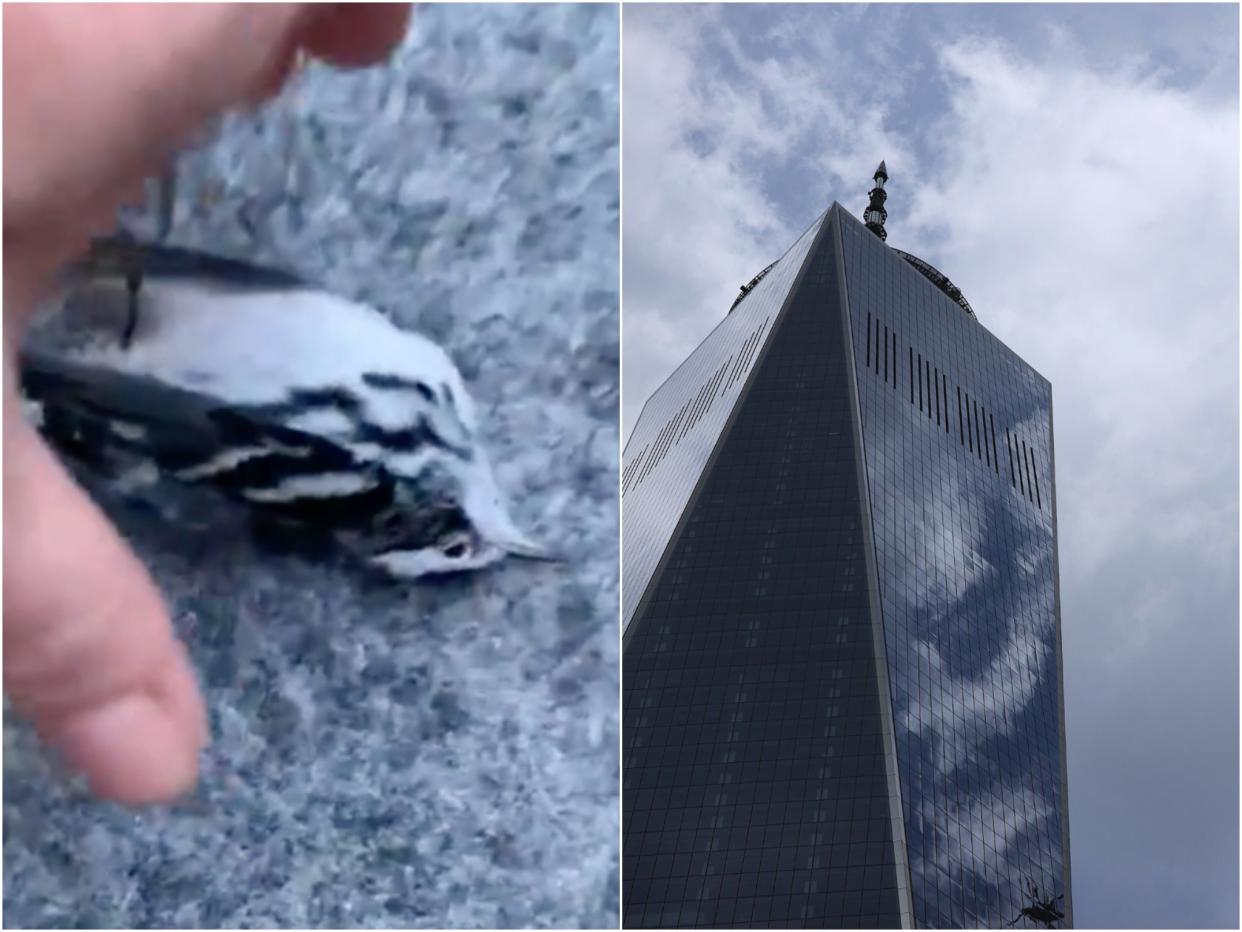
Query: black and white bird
x: 316, y: 411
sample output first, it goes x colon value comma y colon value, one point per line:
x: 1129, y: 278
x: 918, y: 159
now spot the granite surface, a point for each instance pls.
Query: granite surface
x: 434, y: 754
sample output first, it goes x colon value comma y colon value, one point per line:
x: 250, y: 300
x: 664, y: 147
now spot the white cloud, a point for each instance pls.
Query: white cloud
x: 1092, y: 220
x: 699, y: 117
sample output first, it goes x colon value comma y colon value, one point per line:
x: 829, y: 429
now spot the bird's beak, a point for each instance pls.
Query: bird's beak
x: 524, y: 548
x: 495, y: 526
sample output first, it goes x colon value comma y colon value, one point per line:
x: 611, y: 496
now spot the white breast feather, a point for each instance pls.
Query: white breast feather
x: 254, y: 347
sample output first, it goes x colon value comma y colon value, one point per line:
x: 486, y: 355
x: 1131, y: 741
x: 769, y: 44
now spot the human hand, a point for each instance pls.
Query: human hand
x: 96, y: 99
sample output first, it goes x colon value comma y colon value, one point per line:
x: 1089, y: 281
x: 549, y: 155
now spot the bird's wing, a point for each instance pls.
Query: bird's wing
x: 93, y: 412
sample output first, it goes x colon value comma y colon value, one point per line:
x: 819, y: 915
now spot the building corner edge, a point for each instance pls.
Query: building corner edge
x: 905, y: 888
x: 1056, y: 582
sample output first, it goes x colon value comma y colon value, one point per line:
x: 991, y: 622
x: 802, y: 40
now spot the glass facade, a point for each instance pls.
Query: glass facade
x: 756, y: 789
x: 958, y: 444
x: 842, y: 670
x: 682, y: 421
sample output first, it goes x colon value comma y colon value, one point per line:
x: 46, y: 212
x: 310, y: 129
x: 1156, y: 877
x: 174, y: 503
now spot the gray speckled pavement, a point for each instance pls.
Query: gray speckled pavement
x: 436, y: 754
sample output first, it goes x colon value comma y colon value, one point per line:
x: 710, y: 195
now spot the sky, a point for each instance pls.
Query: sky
x: 1074, y: 169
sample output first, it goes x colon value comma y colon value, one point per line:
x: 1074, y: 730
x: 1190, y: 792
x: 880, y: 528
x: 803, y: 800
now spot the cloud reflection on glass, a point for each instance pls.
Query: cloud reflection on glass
x: 966, y: 561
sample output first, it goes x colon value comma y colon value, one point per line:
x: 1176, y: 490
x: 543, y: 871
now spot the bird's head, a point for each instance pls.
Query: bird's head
x: 428, y: 532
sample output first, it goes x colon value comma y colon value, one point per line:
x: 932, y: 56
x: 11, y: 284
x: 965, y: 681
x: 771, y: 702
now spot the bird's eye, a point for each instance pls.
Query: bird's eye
x: 455, y: 546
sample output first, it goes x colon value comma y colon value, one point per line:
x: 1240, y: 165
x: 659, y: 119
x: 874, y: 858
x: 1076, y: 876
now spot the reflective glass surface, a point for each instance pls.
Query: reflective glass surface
x: 756, y: 790
x: 681, y: 422
x: 957, y: 440
x: 754, y: 753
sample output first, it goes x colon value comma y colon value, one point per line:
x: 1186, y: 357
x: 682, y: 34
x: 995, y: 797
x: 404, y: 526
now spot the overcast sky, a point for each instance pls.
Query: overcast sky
x: 1074, y: 169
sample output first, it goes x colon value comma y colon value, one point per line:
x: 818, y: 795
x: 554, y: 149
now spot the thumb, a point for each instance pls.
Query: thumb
x: 89, y: 654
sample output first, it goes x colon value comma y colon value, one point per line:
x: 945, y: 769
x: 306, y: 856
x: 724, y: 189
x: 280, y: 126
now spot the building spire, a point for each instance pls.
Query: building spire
x: 875, y: 214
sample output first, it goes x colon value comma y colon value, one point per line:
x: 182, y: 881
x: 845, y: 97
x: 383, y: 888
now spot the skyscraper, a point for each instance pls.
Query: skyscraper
x: 842, y: 669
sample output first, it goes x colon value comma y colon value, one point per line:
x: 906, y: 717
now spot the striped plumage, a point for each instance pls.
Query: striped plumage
x: 314, y: 410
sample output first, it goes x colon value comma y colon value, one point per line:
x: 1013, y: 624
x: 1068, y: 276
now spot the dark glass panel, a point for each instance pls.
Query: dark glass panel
x: 663, y: 466
x: 753, y: 654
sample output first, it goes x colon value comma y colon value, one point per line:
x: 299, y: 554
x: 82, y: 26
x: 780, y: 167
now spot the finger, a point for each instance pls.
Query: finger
x: 349, y: 35
x: 352, y: 35
x: 97, y: 97
x: 89, y: 654
x: 140, y: 747
x: 93, y: 95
